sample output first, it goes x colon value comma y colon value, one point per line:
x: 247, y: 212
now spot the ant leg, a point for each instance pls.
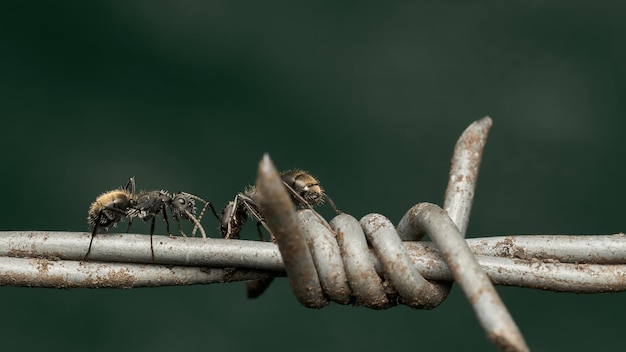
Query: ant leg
x: 228, y: 213
x: 130, y: 185
x: 206, y: 205
x: 255, y: 288
x: 303, y: 202
x: 195, y: 228
x: 130, y: 222
x: 258, y: 229
x: 97, y: 222
x: 234, y: 219
x: 332, y: 204
x: 152, y: 247
x: 180, y: 227
x: 93, y: 234
x: 195, y: 221
x: 213, y: 211
x: 251, y: 208
x: 167, y: 222
x: 152, y: 224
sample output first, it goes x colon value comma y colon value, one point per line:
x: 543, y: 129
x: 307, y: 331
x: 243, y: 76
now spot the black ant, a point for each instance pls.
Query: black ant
x: 305, y: 190
x: 113, y: 206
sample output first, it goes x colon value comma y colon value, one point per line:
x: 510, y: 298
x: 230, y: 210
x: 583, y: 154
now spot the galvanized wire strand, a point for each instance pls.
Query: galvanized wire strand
x: 578, y: 264
x: 583, y: 250
x: 597, y: 249
x: 42, y: 272
x: 134, y: 248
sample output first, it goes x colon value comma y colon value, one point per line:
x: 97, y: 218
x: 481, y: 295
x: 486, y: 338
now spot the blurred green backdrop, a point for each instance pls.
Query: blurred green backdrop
x: 370, y: 98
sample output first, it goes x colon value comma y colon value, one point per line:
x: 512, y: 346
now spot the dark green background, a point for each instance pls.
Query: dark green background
x: 369, y: 98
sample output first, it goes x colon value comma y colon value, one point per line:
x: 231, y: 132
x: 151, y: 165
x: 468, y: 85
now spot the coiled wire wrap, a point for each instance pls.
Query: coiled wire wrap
x: 315, y: 273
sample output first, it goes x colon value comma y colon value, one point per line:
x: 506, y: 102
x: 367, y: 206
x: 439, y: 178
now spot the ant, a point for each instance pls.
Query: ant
x: 305, y: 191
x: 113, y: 206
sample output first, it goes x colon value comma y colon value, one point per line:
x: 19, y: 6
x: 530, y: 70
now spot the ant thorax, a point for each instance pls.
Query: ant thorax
x: 149, y: 204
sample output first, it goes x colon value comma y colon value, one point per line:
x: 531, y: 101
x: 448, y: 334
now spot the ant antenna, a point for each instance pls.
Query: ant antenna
x: 199, y: 218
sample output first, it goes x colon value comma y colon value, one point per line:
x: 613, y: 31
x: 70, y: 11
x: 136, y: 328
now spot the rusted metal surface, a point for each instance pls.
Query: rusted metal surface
x: 326, y: 256
x: 596, y: 249
x: 414, y: 290
x: 468, y: 153
x: 366, y: 284
x: 42, y: 272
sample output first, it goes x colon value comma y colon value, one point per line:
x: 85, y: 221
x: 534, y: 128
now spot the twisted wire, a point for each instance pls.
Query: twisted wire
x: 561, y: 263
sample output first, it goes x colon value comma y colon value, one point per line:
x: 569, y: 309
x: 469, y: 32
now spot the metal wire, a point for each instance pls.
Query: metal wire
x: 42, y: 272
x: 578, y: 264
x: 366, y: 262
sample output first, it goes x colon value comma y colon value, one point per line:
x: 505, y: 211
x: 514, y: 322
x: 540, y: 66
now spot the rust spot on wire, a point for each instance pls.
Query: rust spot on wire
x: 118, y: 278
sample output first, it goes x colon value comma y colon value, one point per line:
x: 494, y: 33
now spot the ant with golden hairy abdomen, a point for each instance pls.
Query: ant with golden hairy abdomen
x: 113, y: 206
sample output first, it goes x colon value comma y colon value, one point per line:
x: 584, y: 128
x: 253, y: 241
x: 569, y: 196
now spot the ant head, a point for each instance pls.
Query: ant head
x: 303, y: 187
x: 313, y: 194
x: 183, y: 205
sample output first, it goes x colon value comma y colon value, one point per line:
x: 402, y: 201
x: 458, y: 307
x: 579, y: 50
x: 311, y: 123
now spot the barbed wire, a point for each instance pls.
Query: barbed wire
x: 368, y: 262
x: 562, y: 263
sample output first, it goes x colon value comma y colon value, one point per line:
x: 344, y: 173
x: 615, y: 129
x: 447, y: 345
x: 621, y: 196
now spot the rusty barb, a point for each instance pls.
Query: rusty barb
x: 367, y: 262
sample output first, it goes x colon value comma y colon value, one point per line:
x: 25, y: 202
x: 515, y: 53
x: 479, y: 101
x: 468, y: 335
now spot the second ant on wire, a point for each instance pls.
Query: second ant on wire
x: 305, y: 190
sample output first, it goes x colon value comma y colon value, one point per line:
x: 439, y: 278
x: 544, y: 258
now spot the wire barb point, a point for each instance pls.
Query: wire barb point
x: 280, y: 214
